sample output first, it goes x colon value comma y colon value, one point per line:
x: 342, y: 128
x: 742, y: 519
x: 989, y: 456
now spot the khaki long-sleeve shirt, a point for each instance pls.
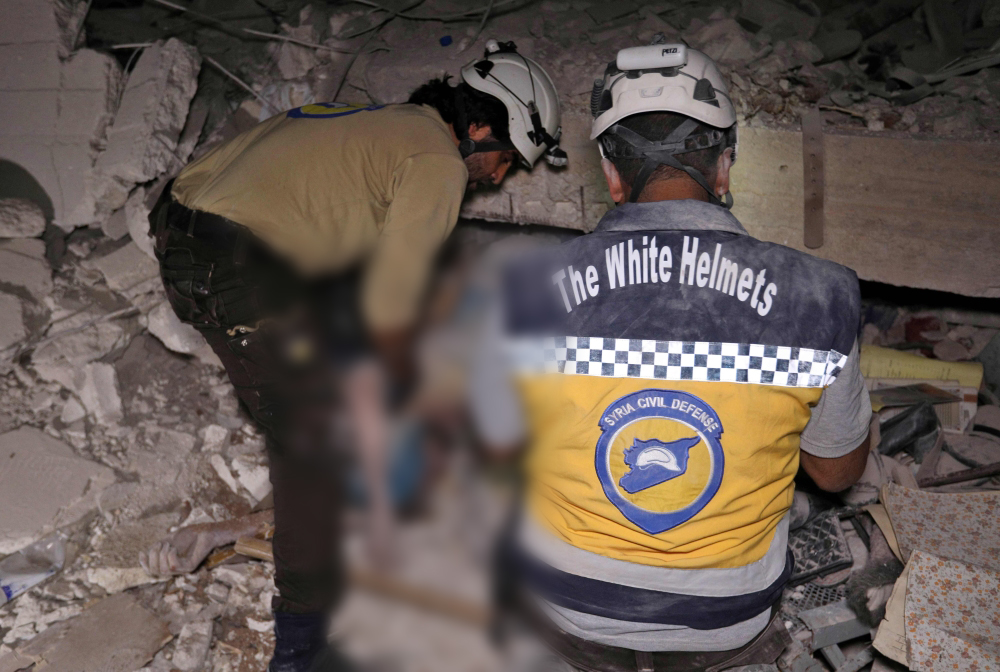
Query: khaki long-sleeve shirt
x: 331, y: 187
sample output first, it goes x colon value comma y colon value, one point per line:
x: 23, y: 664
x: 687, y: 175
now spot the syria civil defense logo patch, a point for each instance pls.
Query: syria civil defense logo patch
x: 659, y: 458
x: 329, y: 110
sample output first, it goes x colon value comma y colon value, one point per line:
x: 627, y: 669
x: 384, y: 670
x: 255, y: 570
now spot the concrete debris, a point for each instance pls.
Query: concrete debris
x: 136, y: 212
x: 23, y: 267
x: 55, y: 112
x: 118, y: 579
x: 725, y: 41
x: 177, y: 336
x: 294, y: 61
x: 115, y: 227
x: 97, y: 386
x: 115, y: 635
x: 72, y: 411
x: 20, y: 218
x: 213, y: 438
x: 43, y: 485
x: 12, y: 329
x: 219, y: 464
x: 192, y: 646
x: 253, y: 477
x: 153, y: 111
x: 128, y: 269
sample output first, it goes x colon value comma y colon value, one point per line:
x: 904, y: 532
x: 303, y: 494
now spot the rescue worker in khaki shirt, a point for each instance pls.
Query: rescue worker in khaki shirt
x: 301, y: 250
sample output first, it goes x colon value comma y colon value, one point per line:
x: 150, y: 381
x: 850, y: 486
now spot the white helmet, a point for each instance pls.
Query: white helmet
x: 530, y: 97
x: 663, y: 78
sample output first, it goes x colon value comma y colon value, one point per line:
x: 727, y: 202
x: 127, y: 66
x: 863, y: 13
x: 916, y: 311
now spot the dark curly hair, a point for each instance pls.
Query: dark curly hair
x: 480, y: 108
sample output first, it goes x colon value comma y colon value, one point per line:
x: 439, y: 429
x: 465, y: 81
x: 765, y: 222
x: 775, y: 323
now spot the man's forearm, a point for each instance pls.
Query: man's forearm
x: 834, y: 474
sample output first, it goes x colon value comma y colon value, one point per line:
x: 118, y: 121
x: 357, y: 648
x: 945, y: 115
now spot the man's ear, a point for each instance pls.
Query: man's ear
x: 479, y: 132
x: 615, y: 186
x: 722, y: 167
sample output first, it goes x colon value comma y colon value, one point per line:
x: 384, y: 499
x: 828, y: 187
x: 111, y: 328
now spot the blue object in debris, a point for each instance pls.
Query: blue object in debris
x: 445, y: 41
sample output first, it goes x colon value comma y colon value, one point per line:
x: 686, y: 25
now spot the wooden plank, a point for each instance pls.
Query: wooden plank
x: 915, y: 213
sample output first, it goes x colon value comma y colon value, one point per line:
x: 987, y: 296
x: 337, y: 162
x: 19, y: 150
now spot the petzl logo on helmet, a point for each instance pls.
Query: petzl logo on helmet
x: 329, y: 110
x: 659, y: 458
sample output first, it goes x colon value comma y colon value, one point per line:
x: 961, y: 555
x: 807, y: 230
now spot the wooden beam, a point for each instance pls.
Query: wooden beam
x: 915, y: 213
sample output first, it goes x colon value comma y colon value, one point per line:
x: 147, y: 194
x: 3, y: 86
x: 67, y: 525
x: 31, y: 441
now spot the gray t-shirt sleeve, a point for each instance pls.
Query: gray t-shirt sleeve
x: 495, y: 407
x: 840, y: 420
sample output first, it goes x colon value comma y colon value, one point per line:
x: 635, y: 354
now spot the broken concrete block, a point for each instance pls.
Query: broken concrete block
x: 12, y: 329
x: 253, y: 477
x: 43, y: 485
x: 118, y: 579
x: 28, y: 21
x: 115, y: 635
x: 153, y: 112
x: 137, y: 221
x: 97, y: 385
x: 72, y: 411
x: 192, y: 646
x: 213, y: 438
x: 293, y: 60
x: 219, y: 464
x: 115, y: 227
x: 90, y: 84
x: 725, y: 41
x: 20, y: 218
x: 780, y: 19
x: 177, y: 336
x: 125, y: 268
x: 33, y: 65
x: 23, y: 265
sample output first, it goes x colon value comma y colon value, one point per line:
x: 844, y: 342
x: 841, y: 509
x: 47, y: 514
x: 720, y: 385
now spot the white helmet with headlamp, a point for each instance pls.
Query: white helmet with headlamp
x: 530, y: 97
x: 663, y: 78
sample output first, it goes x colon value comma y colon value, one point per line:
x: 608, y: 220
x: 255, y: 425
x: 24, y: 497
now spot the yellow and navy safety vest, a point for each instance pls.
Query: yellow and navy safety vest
x: 669, y: 363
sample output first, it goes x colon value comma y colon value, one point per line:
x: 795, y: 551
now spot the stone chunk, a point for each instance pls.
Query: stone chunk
x: 177, y: 336
x: 97, y: 385
x: 43, y: 485
x: 20, y: 218
x: 23, y: 265
x: 115, y: 635
x: 125, y: 268
x: 153, y: 111
x: 192, y: 646
x: 12, y: 329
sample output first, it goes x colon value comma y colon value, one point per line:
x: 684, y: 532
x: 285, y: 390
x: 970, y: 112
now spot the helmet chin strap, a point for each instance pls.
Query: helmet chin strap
x: 655, y: 154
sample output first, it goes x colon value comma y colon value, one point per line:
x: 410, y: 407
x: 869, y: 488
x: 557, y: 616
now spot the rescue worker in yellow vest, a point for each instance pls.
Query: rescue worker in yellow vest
x: 301, y: 250
x: 674, y: 374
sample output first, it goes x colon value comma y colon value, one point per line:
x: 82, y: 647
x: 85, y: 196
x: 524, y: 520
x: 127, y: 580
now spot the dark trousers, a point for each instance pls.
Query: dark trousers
x: 260, y: 318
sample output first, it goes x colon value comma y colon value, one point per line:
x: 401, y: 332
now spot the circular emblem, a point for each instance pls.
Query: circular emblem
x: 659, y: 458
x: 329, y: 110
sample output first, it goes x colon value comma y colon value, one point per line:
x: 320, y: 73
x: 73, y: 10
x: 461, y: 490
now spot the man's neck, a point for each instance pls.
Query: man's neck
x: 672, y: 190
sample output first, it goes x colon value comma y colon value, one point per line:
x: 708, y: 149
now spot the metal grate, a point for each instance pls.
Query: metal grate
x: 805, y: 597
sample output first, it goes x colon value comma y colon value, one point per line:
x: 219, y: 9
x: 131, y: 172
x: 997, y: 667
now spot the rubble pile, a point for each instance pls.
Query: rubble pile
x: 117, y: 423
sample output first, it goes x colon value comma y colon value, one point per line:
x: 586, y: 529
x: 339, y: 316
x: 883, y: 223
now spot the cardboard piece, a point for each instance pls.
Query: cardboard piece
x: 890, y: 640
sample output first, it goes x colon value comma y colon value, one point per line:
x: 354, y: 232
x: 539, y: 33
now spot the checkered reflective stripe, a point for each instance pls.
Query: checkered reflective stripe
x: 678, y: 360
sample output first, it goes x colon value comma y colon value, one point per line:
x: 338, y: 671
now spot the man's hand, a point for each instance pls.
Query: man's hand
x: 182, y: 552
x: 835, y: 474
x: 185, y: 549
x: 395, y: 349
